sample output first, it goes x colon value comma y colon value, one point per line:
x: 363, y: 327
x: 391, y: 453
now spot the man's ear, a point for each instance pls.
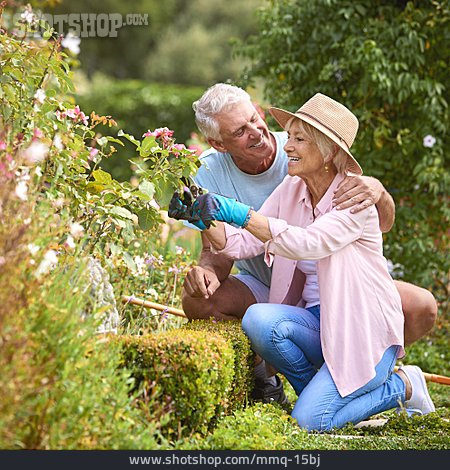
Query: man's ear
x: 217, y: 145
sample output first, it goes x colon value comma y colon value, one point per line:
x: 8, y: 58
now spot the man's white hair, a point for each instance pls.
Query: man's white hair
x: 220, y: 97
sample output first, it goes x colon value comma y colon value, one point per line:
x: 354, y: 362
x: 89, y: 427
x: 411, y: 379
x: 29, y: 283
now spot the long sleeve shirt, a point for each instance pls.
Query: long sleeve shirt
x: 361, y: 313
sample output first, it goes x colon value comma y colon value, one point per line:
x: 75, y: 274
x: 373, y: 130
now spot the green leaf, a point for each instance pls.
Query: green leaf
x: 48, y: 34
x: 129, y: 137
x: 95, y: 188
x: 163, y: 192
x: 146, y: 219
x: 102, y: 176
x: 121, y: 212
x: 117, y: 141
x: 147, y: 188
x: 147, y: 145
x: 102, y: 141
x: 129, y: 261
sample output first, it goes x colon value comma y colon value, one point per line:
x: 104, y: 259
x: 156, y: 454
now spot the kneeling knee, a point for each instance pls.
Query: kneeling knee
x: 255, y: 315
x: 430, y: 310
x: 310, y: 421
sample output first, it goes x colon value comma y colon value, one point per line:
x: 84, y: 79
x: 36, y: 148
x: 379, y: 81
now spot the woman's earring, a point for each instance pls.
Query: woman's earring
x: 326, y: 168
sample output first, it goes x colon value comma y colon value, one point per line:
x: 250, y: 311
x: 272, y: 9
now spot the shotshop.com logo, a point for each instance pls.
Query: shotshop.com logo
x: 82, y: 25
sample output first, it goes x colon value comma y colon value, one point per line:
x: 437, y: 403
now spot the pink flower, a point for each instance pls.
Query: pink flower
x: 162, y: 133
x: 196, y: 149
x: 2, y: 145
x: 75, y: 114
x: 37, y: 134
x: 174, y: 270
x: 177, y: 148
x: 159, y: 132
x: 92, y: 153
x: 60, y: 115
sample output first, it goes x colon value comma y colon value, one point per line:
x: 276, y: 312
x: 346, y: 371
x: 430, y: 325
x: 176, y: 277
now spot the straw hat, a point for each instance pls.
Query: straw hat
x: 331, y: 118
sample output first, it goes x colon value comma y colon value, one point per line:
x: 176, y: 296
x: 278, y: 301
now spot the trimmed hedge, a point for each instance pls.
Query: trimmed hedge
x: 184, y: 377
x: 243, y: 356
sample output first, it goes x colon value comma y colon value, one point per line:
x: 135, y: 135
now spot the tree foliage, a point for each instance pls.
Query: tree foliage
x: 388, y: 62
x: 183, y: 42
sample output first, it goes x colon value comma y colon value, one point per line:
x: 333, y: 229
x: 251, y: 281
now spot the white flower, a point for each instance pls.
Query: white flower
x: 33, y: 249
x: 22, y: 190
x: 38, y: 171
x: 70, y: 243
x: 57, y: 142
x: 76, y: 230
x: 35, y: 153
x: 28, y: 16
x: 141, y: 266
x: 58, y: 203
x: 40, y: 95
x: 72, y: 43
x: 49, y: 261
x: 429, y: 141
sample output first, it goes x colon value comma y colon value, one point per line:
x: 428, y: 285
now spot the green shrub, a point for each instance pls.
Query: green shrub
x: 260, y: 426
x: 243, y: 357
x: 62, y: 387
x: 187, y: 376
x: 138, y: 106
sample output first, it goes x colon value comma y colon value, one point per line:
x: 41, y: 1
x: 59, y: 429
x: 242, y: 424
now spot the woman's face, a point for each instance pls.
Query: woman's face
x: 304, y: 155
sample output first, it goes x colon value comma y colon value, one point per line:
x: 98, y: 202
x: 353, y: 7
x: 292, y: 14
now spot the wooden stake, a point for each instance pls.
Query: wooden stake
x: 129, y: 299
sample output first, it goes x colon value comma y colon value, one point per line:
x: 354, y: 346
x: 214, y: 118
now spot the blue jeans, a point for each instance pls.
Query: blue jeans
x: 288, y: 338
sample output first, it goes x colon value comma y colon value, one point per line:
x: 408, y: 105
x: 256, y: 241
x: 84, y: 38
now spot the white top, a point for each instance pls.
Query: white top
x: 310, y: 293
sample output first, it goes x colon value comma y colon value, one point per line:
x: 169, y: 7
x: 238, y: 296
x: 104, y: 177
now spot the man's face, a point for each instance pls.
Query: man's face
x: 246, y: 137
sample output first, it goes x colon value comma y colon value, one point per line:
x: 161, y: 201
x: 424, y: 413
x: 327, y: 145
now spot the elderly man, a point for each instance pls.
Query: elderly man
x: 248, y: 163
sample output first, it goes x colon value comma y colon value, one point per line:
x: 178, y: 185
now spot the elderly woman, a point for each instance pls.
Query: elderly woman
x: 334, y: 324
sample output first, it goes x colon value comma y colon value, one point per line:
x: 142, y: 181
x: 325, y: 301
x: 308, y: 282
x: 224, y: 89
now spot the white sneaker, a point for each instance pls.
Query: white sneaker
x: 420, y: 402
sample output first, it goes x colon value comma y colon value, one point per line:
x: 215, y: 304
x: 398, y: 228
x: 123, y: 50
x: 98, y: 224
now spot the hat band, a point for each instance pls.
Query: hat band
x: 324, y: 125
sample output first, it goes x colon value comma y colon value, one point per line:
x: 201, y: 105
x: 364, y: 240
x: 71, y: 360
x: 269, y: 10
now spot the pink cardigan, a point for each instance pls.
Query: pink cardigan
x: 361, y: 312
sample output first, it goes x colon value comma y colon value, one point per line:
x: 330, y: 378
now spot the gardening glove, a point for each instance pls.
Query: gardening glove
x: 180, y: 208
x: 209, y: 207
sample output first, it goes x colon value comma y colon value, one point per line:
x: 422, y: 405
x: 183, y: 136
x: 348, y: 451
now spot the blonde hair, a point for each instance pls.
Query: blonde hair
x: 326, y: 146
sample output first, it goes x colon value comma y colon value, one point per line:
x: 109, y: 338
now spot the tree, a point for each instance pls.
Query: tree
x: 388, y: 62
x: 121, y: 56
x: 196, y: 48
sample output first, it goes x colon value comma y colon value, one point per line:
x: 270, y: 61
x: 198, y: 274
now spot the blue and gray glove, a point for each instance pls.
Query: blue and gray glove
x: 207, y: 208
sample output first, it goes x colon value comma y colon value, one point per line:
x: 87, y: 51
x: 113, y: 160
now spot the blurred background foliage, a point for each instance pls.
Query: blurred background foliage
x: 185, y: 42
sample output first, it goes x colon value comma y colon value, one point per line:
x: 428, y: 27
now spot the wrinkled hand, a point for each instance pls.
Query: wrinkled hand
x: 201, y: 282
x: 358, y: 192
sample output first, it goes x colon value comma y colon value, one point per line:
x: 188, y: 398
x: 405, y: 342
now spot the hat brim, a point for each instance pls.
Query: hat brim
x: 282, y: 117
